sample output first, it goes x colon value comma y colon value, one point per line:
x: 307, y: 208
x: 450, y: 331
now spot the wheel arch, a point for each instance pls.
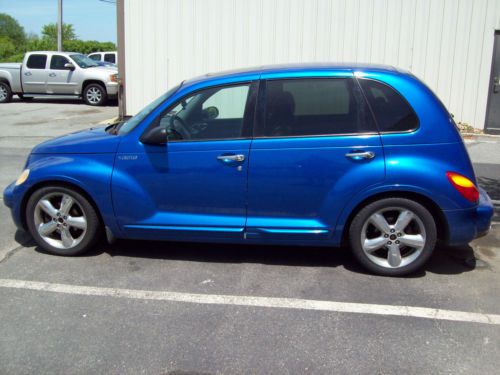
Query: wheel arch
x: 428, y: 203
x: 57, y: 183
x: 90, y: 81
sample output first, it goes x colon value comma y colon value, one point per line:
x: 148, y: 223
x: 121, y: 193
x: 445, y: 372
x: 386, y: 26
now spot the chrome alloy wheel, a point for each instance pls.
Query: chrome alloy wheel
x: 393, y: 237
x: 60, y: 220
x: 3, y: 92
x: 94, y: 95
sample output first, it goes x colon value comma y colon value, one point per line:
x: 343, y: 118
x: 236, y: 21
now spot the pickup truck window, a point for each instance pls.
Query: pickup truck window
x: 57, y: 62
x: 37, y: 61
x: 83, y: 61
x: 110, y: 57
x: 96, y: 57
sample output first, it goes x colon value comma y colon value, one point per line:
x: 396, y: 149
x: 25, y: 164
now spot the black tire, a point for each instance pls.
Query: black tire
x: 93, y: 230
x: 25, y: 98
x: 358, y: 223
x: 95, y: 87
x: 5, y: 92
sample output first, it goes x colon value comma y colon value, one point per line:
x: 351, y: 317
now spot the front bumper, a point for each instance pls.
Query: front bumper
x: 12, y: 198
x: 466, y: 225
x: 112, y: 89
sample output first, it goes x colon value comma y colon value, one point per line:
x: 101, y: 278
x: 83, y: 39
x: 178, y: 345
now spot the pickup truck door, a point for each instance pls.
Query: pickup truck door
x: 61, y: 80
x: 34, y: 74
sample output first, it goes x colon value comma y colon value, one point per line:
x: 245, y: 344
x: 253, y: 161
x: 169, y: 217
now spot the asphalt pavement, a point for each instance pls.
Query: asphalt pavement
x: 181, y: 308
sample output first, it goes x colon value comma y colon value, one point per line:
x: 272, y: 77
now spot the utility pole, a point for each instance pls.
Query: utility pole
x: 59, y: 25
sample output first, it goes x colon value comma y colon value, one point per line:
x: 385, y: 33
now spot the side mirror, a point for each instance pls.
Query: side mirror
x: 155, y: 136
x: 69, y: 66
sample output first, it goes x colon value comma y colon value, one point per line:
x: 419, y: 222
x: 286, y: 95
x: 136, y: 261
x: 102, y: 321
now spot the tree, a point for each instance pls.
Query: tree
x: 7, y: 48
x: 11, y: 29
x: 49, y: 32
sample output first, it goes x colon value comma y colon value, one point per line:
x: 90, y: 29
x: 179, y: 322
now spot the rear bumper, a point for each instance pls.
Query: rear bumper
x: 466, y: 225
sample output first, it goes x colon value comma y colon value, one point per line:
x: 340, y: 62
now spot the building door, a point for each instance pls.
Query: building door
x: 493, y: 109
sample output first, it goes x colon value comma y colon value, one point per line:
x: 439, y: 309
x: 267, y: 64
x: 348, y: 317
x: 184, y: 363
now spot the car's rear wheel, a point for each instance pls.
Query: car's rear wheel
x: 95, y: 94
x: 5, y: 92
x: 393, y: 236
x: 62, y: 221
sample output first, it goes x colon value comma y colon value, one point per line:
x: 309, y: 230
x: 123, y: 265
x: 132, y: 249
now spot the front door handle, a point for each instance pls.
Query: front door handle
x: 359, y: 155
x: 52, y: 74
x: 27, y: 73
x: 231, y: 158
x: 496, y: 85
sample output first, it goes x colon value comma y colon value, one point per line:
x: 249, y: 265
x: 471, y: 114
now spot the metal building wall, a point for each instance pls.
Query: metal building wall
x: 447, y: 43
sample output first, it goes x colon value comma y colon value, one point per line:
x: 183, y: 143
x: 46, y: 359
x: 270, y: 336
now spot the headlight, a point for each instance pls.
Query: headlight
x: 23, y: 177
x: 113, y: 77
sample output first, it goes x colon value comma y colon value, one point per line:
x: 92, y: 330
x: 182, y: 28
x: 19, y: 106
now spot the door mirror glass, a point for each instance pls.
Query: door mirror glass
x: 69, y: 66
x: 155, y: 136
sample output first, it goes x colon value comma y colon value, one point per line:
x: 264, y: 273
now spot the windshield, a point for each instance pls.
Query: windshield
x: 83, y: 61
x: 134, y: 121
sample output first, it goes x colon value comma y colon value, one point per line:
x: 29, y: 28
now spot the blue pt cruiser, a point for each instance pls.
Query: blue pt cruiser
x: 312, y: 155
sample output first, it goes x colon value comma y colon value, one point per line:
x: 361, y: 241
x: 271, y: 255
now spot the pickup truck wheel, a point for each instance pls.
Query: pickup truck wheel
x: 62, y: 221
x: 95, y: 94
x: 5, y: 92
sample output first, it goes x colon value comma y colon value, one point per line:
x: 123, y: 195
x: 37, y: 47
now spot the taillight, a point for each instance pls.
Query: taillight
x: 464, y: 186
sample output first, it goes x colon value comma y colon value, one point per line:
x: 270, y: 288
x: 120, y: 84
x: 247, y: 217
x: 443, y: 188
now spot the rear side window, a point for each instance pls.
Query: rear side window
x: 392, y: 111
x: 316, y: 106
x: 36, y: 61
x: 110, y: 57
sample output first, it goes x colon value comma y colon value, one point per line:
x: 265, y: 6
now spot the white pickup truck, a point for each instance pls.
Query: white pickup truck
x: 49, y: 73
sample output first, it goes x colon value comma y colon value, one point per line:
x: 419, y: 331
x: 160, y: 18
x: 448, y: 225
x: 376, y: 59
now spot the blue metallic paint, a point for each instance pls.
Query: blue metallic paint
x: 287, y: 191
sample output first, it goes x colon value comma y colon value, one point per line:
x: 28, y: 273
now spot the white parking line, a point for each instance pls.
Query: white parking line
x: 285, y: 303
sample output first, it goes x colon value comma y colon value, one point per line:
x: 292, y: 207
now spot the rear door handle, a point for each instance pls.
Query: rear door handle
x: 231, y: 158
x: 52, y: 74
x: 359, y: 155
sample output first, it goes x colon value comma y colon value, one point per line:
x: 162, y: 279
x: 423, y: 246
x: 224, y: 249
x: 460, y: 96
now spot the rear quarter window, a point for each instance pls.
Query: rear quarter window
x: 392, y: 112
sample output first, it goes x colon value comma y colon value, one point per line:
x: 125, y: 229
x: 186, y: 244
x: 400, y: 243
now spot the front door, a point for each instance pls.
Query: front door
x: 316, y: 146
x: 34, y: 74
x: 195, y: 186
x: 493, y: 109
x: 61, y: 80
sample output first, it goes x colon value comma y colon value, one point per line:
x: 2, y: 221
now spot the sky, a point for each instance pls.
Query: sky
x: 92, y: 19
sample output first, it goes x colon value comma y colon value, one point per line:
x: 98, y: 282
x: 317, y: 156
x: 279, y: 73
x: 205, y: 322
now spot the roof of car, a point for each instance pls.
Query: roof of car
x: 297, y: 67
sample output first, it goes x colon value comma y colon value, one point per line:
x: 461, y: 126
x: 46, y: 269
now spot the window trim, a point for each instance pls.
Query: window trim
x: 248, y: 122
x: 261, y: 107
x: 358, y: 79
x: 38, y: 54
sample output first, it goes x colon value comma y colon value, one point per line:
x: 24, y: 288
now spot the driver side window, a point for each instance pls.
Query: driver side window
x: 214, y: 113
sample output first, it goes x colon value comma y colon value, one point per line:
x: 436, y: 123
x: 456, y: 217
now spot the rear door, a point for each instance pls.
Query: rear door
x: 34, y: 74
x: 315, y: 147
x: 61, y: 80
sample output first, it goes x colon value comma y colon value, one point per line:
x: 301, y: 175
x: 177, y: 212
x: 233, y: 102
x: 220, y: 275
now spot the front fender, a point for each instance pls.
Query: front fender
x: 89, y: 172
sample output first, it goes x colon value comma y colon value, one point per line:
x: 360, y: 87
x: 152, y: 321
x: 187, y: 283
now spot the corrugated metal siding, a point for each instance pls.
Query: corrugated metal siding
x: 447, y: 43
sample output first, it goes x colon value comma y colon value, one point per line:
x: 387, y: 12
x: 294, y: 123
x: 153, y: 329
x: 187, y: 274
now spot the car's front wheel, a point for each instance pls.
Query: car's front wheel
x: 95, y: 94
x: 62, y: 221
x: 393, y: 236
